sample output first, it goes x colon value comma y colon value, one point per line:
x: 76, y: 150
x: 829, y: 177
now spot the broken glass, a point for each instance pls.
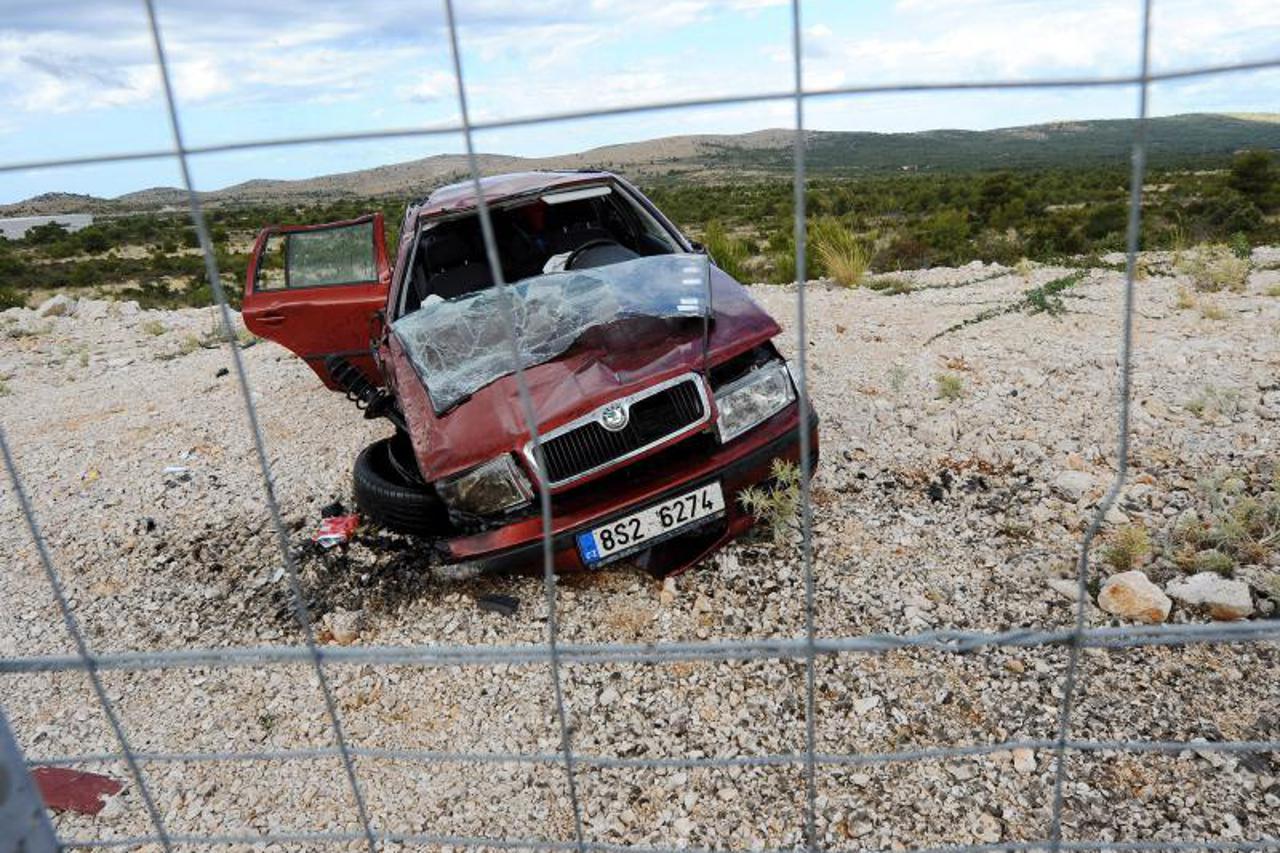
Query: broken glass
x: 458, y: 346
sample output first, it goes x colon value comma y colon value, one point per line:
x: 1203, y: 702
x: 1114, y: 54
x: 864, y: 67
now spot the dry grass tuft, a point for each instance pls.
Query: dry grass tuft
x: 1214, y: 268
x: 845, y: 257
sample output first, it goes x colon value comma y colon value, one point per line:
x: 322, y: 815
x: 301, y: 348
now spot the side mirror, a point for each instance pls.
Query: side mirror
x: 697, y: 247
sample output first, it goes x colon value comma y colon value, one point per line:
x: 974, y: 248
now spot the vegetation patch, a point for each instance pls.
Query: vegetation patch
x: 1214, y: 268
x: 950, y: 386
x: 1045, y: 299
x: 843, y: 256
x: 1237, y: 522
x: 775, y: 504
x: 1128, y: 549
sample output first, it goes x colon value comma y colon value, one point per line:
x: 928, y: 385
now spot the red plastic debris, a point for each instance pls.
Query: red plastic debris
x: 337, y: 530
x: 72, y: 790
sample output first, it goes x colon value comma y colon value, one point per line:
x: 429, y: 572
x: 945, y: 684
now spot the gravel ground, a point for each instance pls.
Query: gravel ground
x: 928, y: 513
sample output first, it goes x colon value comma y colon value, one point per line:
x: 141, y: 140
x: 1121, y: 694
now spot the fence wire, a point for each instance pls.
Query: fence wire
x: 555, y: 653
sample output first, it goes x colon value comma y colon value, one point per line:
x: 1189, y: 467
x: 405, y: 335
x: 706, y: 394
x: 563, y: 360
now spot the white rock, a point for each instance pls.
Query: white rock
x: 608, y: 696
x: 1024, y: 760
x: 1065, y: 587
x: 1132, y: 595
x: 93, y: 309
x: 865, y: 704
x: 57, y: 306
x: 1072, y: 485
x: 1222, y: 597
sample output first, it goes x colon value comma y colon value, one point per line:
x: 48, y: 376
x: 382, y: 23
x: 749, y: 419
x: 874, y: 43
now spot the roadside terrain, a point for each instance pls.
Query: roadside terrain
x: 968, y: 432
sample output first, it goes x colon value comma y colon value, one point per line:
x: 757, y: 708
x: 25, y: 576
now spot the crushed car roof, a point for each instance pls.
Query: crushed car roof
x: 496, y: 188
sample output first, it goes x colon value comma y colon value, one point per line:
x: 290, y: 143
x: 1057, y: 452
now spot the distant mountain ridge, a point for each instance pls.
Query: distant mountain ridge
x: 1184, y: 140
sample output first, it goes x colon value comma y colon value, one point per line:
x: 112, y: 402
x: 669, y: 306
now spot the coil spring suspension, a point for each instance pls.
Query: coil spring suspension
x: 358, y: 389
x: 370, y: 399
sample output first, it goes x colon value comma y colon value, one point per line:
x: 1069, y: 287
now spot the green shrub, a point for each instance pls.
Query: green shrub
x: 10, y: 298
x: 891, y: 285
x: 776, y: 504
x: 1240, y: 246
x: 728, y: 252
x: 1128, y: 548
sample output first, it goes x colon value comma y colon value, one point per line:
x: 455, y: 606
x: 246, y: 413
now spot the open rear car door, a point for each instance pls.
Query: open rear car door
x: 319, y: 291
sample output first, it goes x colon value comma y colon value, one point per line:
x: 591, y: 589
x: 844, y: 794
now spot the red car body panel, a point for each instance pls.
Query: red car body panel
x: 316, y: 322
x: 603, y: 365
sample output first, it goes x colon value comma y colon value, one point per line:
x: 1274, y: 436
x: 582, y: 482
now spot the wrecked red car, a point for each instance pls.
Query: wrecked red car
x: 657, y: 392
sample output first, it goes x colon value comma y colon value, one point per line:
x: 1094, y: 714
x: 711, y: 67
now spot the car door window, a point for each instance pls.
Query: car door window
x: 321, y: 257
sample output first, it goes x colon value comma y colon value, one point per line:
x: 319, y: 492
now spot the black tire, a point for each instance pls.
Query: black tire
x: 389, y: 499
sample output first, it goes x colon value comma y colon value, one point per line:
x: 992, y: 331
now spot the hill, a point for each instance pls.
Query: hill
x: 1192, y: 140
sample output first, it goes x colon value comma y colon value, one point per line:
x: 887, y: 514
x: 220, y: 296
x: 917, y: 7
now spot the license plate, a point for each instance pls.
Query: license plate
x: 640, y: 530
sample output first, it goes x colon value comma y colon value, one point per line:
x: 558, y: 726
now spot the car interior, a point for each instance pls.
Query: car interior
x: 566, y: 230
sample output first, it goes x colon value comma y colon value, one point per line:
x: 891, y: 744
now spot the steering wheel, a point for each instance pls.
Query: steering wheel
x: 570, y: 261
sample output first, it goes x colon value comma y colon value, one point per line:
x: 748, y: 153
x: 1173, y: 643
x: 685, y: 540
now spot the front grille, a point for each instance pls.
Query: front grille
x: 656, y: 415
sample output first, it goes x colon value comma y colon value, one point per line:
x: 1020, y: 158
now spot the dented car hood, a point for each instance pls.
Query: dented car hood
x: 458, y: 346
x: 611, y: 339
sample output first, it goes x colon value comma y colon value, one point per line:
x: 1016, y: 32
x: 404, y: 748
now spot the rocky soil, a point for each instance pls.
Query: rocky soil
x: 956, y: 479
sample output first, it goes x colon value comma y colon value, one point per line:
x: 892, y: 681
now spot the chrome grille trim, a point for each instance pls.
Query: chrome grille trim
x: 593, y: 416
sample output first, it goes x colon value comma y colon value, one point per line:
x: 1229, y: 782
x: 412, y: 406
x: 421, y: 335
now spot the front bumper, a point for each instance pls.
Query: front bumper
x: 696, y: 461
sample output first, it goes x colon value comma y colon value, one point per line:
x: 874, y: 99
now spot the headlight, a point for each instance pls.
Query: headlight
x: 496, y: 486
x: 748, y: 401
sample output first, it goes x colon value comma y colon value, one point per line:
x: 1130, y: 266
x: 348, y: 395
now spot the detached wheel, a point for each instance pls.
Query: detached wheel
x: 389, y: 492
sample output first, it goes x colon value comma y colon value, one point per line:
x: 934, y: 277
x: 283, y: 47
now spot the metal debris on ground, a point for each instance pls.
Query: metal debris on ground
x: 503, y: 605
x: 63, y: 789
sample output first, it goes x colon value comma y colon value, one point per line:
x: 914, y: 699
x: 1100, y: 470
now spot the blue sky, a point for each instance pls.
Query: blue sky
x: 79, y: 78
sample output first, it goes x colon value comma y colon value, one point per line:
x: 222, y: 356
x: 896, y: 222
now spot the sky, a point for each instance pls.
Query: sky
x: 79, y: 78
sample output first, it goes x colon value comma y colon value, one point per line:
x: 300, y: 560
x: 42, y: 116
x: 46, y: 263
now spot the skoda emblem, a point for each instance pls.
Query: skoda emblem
x: 614, y: 417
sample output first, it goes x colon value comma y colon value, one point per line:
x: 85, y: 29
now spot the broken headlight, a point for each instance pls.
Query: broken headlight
x: 496, y: 486
x: 749, y: 401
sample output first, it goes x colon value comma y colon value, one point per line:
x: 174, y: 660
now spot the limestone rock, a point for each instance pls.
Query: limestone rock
x: 57, y: 306
x: 1132, y: 595
x: 1072, y: 485
x: 1222, y: 597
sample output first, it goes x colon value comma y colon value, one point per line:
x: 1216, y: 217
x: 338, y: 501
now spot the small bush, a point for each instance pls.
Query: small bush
x: 1214, y: 268
x: 5, y: 391
x: 1128, y: 549
x: 189, y: 344
x: 845, y: 257
x: 1213, y: 311
x: 154, y: 328
x: 1240, y: 246
x: 1185, y: 300
x: 1241, y: 526
x: 1212, y: 401
x: 10, y: 298
x: 776, y: 504
x: 1274, y: 290
x: 1213, y: 560
x: 728, y: 252
x: 950, y: 386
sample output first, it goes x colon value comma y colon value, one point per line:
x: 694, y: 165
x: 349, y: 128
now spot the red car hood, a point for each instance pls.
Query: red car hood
x: 604, y: 364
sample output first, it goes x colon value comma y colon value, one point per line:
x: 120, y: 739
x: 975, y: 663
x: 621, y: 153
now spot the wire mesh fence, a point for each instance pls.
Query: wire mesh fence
x: 554, y: 654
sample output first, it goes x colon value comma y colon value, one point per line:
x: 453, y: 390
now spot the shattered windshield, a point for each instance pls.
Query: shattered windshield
x: 458, y: 346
